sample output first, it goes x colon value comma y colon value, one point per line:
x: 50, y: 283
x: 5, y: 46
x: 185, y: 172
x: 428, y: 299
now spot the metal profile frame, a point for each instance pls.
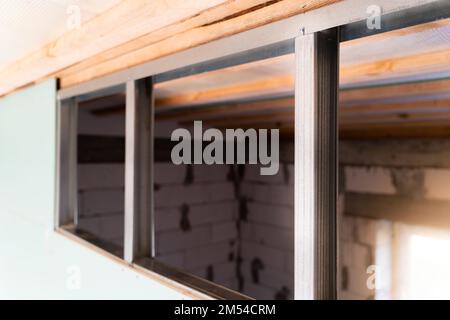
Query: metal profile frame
x: 338, y: 14
x: 138, y: 174
x: 67, y: 184
x: 316, y: 135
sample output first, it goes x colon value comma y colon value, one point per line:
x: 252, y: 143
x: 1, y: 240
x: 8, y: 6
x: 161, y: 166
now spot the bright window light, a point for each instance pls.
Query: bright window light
x: 429, y: 268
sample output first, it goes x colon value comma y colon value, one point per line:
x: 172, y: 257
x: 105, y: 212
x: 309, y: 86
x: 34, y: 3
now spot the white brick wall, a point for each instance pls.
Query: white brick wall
x: 98, y: 176
x: 224, y: 231
x: 207, y: 254
x: 271, y: 257
x: 437, y: 184
x: 168, y: 173
x: 212, y: 214
x: 167, y: 219
x: 210, y: 173
x: 368, y: 180
x: 101, y: 201
x: 269, y: 235
x: 255, y: 290
x: 270, y: 214
x: 253, y: 174
x: 176, y: 195
x: 171, y: 241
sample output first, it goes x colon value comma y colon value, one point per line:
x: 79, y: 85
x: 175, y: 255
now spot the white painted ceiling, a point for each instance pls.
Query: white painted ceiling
x: 27, y: 25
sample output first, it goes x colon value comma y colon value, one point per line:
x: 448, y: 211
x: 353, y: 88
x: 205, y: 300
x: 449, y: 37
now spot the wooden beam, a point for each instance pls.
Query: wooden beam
x: 400, y: 66
x: 354, y: 119
x: 213, y: 24
x: 257, y: 120
x: 228, y: 109
x: 394, y: 107
x: 127, y: 20
x: 357, y: 115
x: 283, y: 83
x: 370, y: 111
x: 424, y: 88
x: 205, y: 17
x: 395, y: 118
x: 196, y: 36
x: 135, y: 31
x: 392, y: 35
x: 250, y: 67
x: 436, y: 61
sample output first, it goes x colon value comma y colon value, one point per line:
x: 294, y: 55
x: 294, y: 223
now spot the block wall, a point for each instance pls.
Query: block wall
x: 101, y: 201
x: 196, y: 212
x: 267, y: 233
x: 414, y: 171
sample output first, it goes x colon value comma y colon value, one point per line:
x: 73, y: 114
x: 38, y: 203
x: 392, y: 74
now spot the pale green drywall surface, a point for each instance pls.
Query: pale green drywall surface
x: 36, y: 262
x: 27, y: 152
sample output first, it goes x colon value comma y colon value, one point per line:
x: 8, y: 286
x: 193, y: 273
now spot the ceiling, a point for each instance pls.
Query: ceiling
x: 371, y: 61
x: 27, y: 25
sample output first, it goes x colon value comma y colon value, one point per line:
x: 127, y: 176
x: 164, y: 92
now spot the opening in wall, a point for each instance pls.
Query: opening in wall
x: 224, y: 174
x: 394, y: 130
x: 95, y: 171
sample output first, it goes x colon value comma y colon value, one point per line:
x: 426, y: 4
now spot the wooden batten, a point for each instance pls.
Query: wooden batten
x: 135, y: 32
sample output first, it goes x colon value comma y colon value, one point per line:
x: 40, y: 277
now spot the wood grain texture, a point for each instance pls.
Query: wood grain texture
x: 400, y: 66
x: 137, y: 31
x: 196, y: 36
x: 127, y: 20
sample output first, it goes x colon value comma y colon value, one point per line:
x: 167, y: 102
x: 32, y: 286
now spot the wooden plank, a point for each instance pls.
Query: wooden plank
x: 127, y: 20
x: 402, y: 110
x: 394, y: 107
x: 391, y: 35
x: 346, y: 121
x: 135, y: 31
x: 395, y: 118
x: 409, y: 210
x: 254, y: 68
x: 436, y: 61
x: 69, y: 76
x: 425, y: 88
x: 358, y: 96
x: 228, y: 109
x: 260, y: 120
x: 283, y: 83
x: 196, y: 36
x: 400, y: 66
x: 206, y: 17
x: 240, y: 108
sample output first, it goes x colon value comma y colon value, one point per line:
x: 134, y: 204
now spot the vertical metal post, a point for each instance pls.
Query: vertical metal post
x: 138, y: 164
x: 67, y: 187
x: 316, y: 135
